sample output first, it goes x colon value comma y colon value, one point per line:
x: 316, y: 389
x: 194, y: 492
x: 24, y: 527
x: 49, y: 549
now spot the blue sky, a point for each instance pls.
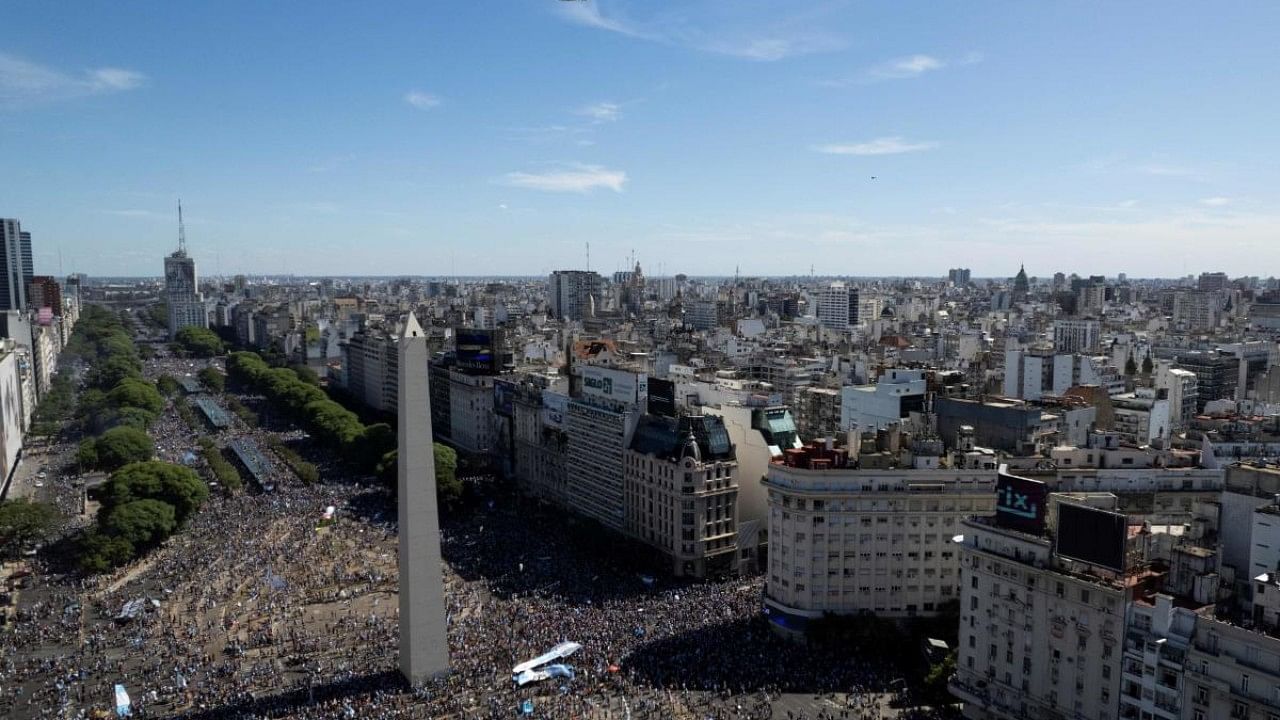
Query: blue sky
x: 499, y: 138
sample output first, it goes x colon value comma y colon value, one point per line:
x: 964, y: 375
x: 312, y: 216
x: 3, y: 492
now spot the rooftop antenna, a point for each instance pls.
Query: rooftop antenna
x: 182, y: 232
x: 588, y: 256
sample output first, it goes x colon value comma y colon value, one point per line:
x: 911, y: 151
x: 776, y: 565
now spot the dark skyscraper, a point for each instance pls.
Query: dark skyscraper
x: 16, y: 262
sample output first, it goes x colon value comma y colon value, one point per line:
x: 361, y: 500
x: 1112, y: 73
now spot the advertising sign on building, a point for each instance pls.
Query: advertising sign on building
x: 1020, y: 502
x: 477, y: 349
x: 1092, y: 535
x: 615, y: 385
x: 662, y: 397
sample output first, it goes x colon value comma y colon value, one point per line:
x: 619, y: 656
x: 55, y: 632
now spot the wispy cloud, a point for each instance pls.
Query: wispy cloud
x: 905, y: 67
x: 422, y: 100
x: 1155, y: 165
x: 697, y: 27
x: 24, y: 83
x: 1217, y: 201
x: 894, y: 145
x: 574, y: 178
x: 601, y: 112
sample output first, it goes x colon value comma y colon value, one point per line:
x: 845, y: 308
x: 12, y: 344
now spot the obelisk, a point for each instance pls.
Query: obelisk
x: 424, y: 644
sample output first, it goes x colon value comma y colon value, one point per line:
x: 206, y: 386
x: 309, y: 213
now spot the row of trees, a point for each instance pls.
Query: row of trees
x: 327, y: 421
x: 307, y: 472
x: 370, y: 448
x: 143, y: 504
x: 117, y: 393
x: 223, y: 471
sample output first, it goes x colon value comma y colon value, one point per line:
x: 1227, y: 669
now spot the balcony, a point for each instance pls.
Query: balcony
x: 968, y: 691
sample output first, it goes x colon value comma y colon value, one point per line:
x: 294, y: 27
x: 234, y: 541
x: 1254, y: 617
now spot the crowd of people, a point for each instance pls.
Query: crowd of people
x: 263, y: 608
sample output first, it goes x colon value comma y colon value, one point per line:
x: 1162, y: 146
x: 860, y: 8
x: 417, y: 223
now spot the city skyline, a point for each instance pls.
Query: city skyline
x: 867, y: 142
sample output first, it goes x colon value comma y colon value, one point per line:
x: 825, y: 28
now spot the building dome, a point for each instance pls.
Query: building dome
x: 690, y: 448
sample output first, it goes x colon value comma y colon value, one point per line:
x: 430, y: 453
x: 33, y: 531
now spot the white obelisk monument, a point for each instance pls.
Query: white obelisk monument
x: 424, y: 644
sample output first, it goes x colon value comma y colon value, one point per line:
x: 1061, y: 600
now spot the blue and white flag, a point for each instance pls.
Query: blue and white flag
x: 122, y: 702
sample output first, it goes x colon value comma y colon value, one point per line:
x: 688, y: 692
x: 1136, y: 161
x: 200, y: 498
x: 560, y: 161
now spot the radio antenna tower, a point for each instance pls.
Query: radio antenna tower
x: 588, y: 257
x: 182, y: 232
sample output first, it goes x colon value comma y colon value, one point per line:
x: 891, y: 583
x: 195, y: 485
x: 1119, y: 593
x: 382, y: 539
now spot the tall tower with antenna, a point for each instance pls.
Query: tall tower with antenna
x: 182, y: 286
x: 182, y: 232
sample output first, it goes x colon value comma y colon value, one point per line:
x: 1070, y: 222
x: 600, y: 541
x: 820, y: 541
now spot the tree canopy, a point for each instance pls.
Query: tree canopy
x: 212, y: 379
x: 199, y: 342
x: 23, y: 522
x: 133, y: 392
x: 142, y: 522
x: 175, y: 485
x: 448, y: 486
x: 122, y: 445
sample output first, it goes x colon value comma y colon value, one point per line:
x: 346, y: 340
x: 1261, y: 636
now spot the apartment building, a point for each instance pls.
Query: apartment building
x: 681, y: 491
x: 846, y: 539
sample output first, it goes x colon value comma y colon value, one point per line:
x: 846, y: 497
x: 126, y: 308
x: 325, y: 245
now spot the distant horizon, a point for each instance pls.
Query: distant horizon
x: 445, y: 278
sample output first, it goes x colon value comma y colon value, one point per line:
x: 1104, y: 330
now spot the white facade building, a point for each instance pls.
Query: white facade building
x: 896, y: 394
x: 838, y: 306
x: 846, y: 541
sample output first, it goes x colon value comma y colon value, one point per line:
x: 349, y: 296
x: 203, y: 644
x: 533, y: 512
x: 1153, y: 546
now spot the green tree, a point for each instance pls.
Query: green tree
x: 142, y: 522
x: 133, y: 417
x: 1130, y: 366
x: 448, y: 486
x: 305, y: 374
x: 935, y: 683
x: 99, y: 551
x: 23, y: 522
x: 172, y: 484
x: 114, y: 369
x: 87, y: 453
x: 374, y: 443
x: 1147, y: 365
x: 122, y: 445
x: 133, y: 392
x: 167, y: 385
x: 212, y: 379
x: 200, y: 342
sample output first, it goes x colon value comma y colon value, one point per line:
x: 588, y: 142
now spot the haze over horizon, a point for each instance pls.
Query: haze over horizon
x: 896, y: 141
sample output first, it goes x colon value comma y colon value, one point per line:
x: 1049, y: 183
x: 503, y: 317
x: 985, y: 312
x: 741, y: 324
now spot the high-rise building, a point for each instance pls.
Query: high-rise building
x: 16, y: 262
x: 181, y: 287
x: 1077, y: 336
x: 852, y: 532
x: 44, y: 292
x: 958, y: 276
x: 1213, y: 281
x: 837, y: 306
x: 574, y: 294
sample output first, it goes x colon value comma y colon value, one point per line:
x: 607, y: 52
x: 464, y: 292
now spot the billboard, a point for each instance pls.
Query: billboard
x: 662, y: 397
x: 1092, y: 536
x: 476, y: 348
x: 504, y: 393
x: 616, y: 385
x: 554, y: 407
x: 1020, y: 502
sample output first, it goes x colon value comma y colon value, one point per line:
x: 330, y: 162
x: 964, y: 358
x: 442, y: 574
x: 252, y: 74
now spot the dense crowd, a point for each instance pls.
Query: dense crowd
x: 263, y: 609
